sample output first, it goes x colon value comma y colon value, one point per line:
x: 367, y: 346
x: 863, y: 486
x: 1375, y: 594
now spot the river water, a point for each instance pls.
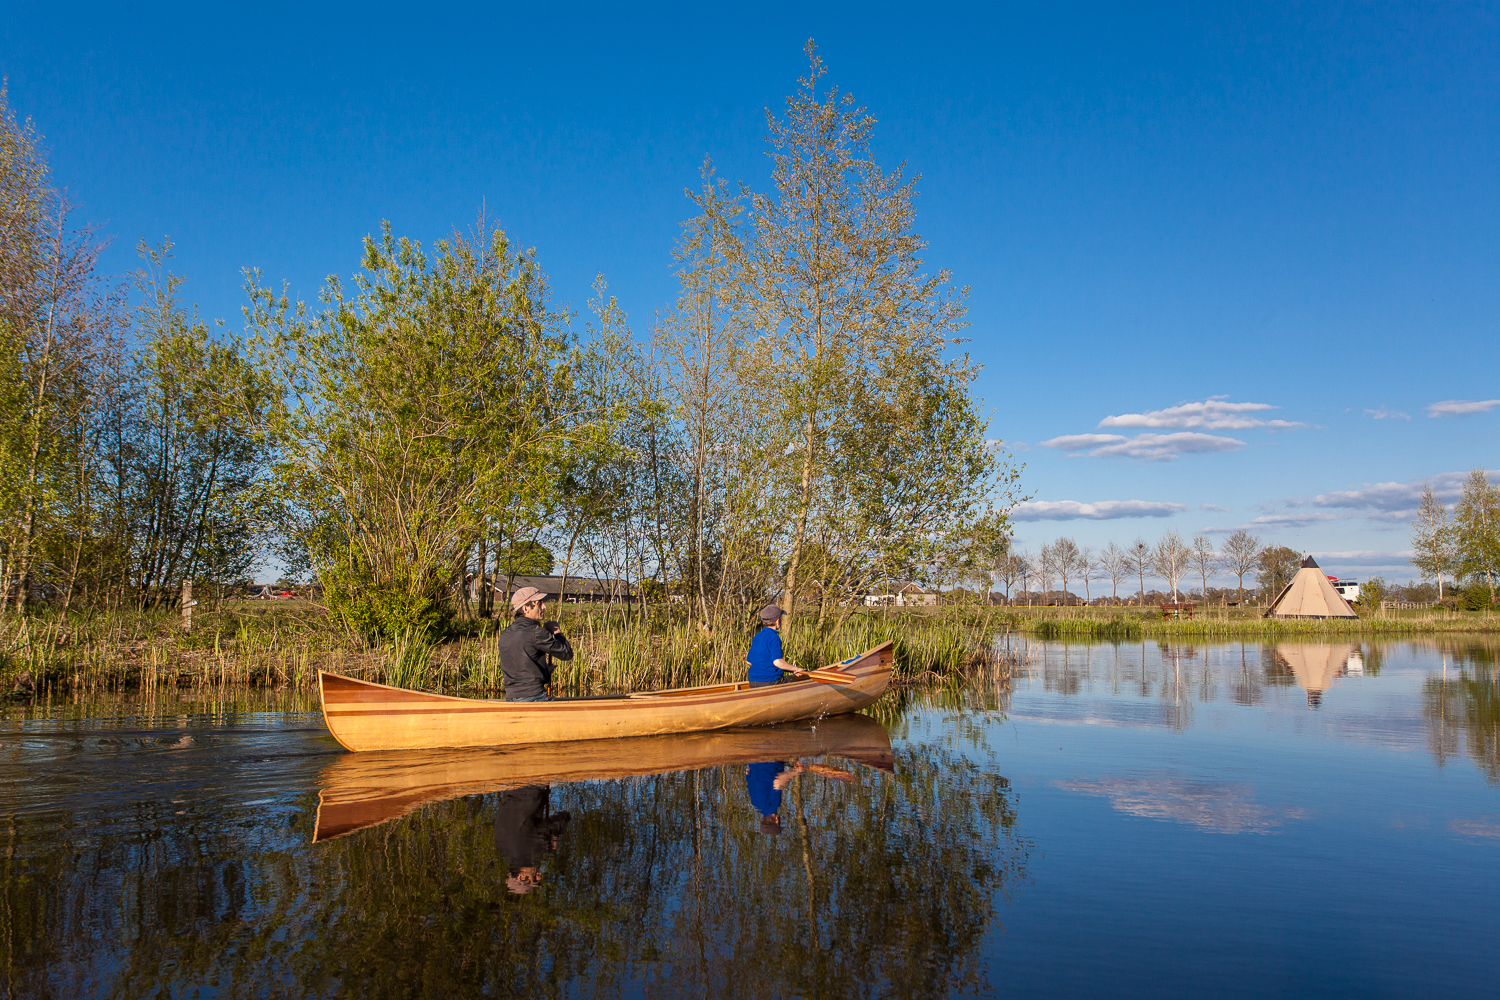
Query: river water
x: 1120, y: 820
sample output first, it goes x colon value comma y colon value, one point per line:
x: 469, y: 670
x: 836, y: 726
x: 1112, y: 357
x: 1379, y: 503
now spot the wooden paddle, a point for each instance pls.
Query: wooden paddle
x: 827, y: 675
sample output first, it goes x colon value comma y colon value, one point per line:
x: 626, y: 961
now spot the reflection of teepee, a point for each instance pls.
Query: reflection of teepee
x: 1309, y: 595
x: 1314, y: 664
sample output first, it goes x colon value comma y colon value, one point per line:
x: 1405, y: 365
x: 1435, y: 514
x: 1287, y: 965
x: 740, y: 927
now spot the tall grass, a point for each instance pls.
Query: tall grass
x: 281, y: 647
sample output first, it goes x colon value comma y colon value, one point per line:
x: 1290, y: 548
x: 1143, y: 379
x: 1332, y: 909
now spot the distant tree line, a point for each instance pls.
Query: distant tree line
x: 1029, y: 577
x: 798, y: 424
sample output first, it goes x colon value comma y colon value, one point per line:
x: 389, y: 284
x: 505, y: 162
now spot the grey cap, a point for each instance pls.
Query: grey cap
x: 771, y: 613
x: 525, y: 596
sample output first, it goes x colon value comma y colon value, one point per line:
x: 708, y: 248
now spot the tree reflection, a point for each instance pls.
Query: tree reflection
x: 661, y: 881
x: 1462, y: 706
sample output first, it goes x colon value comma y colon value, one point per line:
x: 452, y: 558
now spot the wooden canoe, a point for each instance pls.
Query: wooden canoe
x: 362, y: 790
x: 365, y: 716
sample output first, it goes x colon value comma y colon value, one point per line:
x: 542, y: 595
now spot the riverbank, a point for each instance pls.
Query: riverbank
x: 285, y: 644
x: 1235, y: 623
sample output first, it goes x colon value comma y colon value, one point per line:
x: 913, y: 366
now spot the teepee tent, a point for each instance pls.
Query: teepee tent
x: 1309, y: 595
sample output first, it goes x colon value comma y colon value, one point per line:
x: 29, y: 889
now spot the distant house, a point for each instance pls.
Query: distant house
x: 900, y: 595
x: 580, y: 589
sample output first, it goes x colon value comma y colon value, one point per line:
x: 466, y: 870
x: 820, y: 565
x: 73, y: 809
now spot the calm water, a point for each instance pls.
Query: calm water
x: 1124, y: 821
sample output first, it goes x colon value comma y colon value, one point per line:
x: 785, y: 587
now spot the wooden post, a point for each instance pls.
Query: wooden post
x: 187, y: 605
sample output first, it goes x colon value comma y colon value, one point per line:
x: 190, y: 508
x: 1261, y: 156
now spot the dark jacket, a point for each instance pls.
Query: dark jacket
x: 523, y: 657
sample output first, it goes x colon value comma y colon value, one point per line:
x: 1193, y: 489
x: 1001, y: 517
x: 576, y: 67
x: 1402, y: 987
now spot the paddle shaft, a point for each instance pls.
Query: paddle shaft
x: 824, y: 676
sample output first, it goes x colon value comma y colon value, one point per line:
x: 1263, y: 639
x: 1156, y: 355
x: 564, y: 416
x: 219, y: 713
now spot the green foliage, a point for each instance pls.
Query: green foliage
x: 411, y: 413
x: 1276, y: 567
x: 1475, y: 598
x: 378, y: 612
x: 1476, y: 525
x: 527, y: 558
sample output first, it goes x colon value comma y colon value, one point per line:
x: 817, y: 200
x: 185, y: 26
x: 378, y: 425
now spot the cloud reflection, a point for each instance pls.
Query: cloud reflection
x: 1208, y: 805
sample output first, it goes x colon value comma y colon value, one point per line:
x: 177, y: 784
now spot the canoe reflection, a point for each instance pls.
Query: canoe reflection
x: 361, y: 790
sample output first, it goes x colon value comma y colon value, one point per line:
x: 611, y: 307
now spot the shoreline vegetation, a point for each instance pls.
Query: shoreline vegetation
x: 282, y: 646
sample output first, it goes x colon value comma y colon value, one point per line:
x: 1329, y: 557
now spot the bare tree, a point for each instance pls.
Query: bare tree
x: 1007, y: 571
x: 1088, y: 569
x: 1170, y: 558
x: 1025, y: 570
x: 1046, y: 566
x: 1205, y: 560
x: 1115, y: 562
x: 1241, y: 555
x: 1065, y: 557
x: 1139, y: 556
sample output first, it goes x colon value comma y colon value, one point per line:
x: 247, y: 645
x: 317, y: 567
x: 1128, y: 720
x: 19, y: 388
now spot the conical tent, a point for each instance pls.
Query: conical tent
x: 1310, y: 595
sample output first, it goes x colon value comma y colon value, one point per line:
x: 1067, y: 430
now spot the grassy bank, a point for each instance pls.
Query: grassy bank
x: 283, y: 645
x: 1217, y: 623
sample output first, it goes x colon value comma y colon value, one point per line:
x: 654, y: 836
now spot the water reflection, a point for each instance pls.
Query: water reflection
x: 364, y: 789
x: 1462, y: 706
x: 640, y: 877
x: 1315, y: 666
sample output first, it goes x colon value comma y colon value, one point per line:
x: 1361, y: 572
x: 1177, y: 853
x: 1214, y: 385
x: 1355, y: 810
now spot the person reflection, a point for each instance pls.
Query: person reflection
x: 766, y: 780
x: 525, y: 830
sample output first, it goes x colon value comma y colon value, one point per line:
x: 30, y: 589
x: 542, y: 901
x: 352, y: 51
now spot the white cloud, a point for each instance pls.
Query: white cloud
x: 1099, y: 510
x: 1213, y: 506
x: 1214, y: 413
x: 1208, y: 805
x: 1458, y: 407
x: 1384, y: 414
x: 1364, y: 557
x: 1146, y: 447
x: 1286, y: 519
x: 1082, y: 442
x: 1391, y: 497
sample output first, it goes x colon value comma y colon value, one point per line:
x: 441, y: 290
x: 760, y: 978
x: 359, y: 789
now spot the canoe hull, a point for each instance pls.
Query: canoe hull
x: 364, y: 716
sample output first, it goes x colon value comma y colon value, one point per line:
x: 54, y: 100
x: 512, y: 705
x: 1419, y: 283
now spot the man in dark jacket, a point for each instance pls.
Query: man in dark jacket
x: 525, y: 647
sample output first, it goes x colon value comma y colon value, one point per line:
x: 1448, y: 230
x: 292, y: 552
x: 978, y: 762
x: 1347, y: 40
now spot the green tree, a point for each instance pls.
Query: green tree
x: 1476, y: 525
x: 57, y: 318
x: 870, y: 433
x: 1276, y: 567
x: 1432, y: 539
x: 428, y: 402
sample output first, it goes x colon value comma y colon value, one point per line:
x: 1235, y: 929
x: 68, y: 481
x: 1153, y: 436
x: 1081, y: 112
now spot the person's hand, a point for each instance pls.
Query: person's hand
x: 552, y: 627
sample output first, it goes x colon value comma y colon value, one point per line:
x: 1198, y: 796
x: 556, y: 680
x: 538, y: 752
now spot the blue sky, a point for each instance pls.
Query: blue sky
x: 1247, y: 248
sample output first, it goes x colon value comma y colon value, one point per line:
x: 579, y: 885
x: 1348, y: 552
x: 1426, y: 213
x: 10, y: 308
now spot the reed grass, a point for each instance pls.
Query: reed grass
x: 281, y: 647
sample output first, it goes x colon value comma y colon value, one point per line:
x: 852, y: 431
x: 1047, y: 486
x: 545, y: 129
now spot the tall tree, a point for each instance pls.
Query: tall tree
x: 56, y: 316
x: 1170, y: 558
x: 1204, y: 559
x: 1065, y: 560
x: 1140, y: 561
x: 1476, y: 522
x: 1241, y: 552
x: 1434, y: 546
x: 851, y: 361
x: 700, y: 342
x: 192, y: 462
x: 1115, y: 562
